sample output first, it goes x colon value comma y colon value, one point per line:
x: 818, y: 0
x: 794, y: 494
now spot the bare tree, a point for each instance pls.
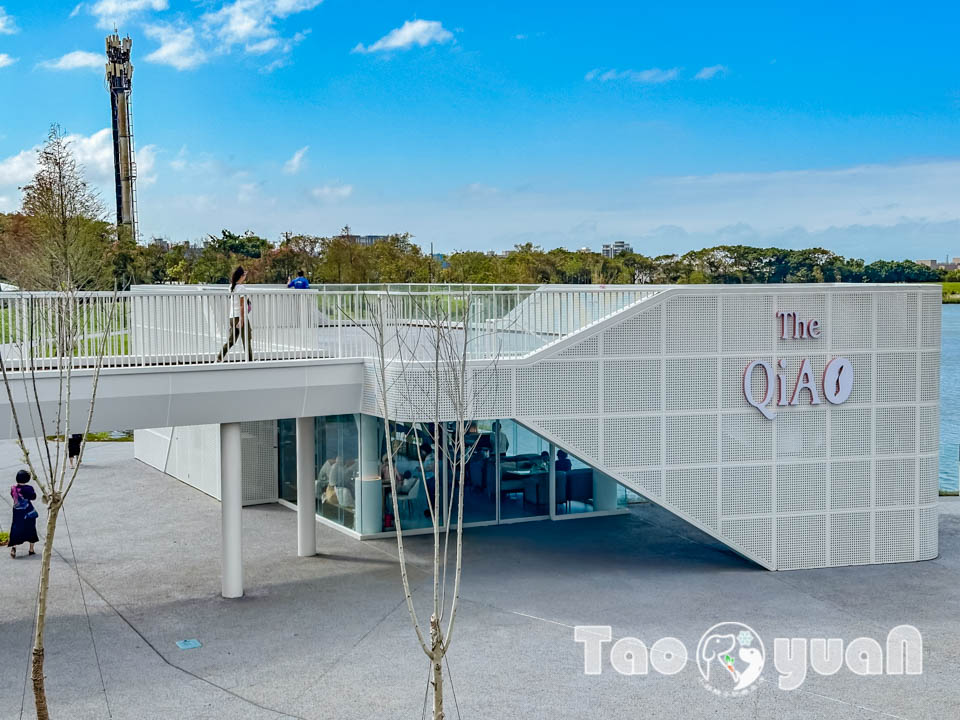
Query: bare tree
x: 45, y: 338
x: 423, y: 345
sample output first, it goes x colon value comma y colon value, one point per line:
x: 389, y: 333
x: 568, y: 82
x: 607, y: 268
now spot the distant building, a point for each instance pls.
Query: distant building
x: 365, y: 239
x: 935, y: 265
x: 610, y: 251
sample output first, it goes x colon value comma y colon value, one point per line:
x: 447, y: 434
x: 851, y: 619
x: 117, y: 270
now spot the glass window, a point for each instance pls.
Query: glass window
x: 524, y: 471
x: 626, y: 497
x: 287, y: 460
x: 338, y: 467
x: 480, y: 472
x: 582, y: 489
x: 415, y: 466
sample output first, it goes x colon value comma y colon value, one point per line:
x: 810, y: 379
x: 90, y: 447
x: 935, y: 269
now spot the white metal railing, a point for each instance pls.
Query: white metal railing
x: 189, y: 324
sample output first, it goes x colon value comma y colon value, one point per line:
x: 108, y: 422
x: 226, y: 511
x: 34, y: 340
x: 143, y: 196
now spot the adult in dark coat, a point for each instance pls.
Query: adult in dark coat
x: 23, y: 529
x: 73, y: 447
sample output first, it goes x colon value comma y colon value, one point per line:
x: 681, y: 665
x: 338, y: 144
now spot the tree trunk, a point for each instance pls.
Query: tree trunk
x: 436, y: 659
x: 39, y: 691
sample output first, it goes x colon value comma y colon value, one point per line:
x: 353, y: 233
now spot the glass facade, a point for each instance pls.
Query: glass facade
x: 338, y: 467
x: 415, y: 467
x: 507, y: 475
x: 479, y: 472
x: 582, y: 489
x: 524, y: 471
x: 287, y: 460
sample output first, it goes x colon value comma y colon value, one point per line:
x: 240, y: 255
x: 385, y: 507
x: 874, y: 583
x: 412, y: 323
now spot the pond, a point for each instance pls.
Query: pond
x: 950, y: 397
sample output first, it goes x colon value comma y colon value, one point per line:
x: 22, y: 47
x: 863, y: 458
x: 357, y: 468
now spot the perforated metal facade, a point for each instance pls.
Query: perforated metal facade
x: 654, y: 396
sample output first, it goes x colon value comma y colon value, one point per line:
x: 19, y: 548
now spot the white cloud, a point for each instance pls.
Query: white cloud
x: 293, y: 165
x: 178, y: 47
x: 179, y: 162
x: 866, y: 211
x: 94, y: 152
x: 113, y: 13
x: 282, y: 8
x: 332, y: 193
x: 247, y: 193
x: 412, y: 32
x: 7, y: 25
x: 653, y: 76
x: 18, y: 168
x: 146, y: 161
x: 250, y: 24
x: 520, y: 36
x: 76, y: 60
x: 265, y: 45
x: 710, y: 72
x: 6, y: 60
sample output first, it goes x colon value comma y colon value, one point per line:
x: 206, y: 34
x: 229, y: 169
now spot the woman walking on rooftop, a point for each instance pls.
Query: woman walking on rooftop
x: 23, y: 529
x: 239, y: 317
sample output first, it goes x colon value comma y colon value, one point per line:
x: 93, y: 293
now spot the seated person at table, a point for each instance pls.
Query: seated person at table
x: 325, y: 476
x: 405, y: 483
x: 563, y: 463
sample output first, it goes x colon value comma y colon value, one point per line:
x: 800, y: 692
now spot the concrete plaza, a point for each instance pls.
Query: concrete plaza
x: 329, y: 636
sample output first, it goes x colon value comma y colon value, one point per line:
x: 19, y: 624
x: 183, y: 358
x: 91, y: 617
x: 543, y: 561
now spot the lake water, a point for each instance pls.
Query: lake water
x: 949, y: 397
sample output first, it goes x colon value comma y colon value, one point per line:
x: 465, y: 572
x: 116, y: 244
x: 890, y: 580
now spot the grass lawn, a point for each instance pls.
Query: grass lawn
x: 951, y: 292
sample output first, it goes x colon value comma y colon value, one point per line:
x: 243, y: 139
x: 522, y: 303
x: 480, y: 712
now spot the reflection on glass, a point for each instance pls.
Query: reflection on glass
x: 337, y: 457
x: 574, y: 493
x: 626, y: 497
x: 287, y: 460
x: 524, y: 471
x: 582, y: 489
x: 479, y: 472
x: 415, y: 465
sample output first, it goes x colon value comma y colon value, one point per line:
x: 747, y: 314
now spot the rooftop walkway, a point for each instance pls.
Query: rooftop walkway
x: 161, y: 363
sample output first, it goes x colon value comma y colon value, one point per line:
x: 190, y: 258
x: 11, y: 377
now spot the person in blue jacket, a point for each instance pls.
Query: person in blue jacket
x: 299, y: 282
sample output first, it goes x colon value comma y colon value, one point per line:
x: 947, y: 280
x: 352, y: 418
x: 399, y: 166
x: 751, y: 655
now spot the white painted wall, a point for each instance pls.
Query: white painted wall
x: 191, y: 454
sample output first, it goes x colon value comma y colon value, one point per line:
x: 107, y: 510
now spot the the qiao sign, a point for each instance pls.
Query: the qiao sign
x: 836, y: 383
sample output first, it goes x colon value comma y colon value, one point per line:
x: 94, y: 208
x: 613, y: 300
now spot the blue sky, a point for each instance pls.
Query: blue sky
x: 481, y: 125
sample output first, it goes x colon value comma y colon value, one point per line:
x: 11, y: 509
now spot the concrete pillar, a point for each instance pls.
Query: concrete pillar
x: 231, y: 509
x: 553, y: 480
x: 306, y: 488
x: 370, y: 503
x: 604, y: 491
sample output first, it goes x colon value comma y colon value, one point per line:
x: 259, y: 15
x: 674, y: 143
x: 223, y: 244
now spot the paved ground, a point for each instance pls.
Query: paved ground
x: 329, y: 637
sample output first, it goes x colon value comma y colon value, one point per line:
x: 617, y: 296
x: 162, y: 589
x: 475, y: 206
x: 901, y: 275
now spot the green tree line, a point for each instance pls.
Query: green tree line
x: 397, y: 259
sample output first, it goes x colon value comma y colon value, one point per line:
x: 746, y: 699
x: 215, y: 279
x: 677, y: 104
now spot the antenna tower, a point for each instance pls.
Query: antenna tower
x: 119, y: 84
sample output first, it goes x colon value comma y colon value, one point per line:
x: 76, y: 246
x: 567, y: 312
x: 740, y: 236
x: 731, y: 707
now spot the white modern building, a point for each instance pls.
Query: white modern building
x: 797, y: 424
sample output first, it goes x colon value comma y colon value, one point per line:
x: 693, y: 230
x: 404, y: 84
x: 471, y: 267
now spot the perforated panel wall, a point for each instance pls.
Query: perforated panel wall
x: 662, y: 409
x: 493, y: 392
x: 638, y: 334
x: 258, y: 461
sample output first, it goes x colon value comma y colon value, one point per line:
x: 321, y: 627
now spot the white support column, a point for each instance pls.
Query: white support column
x: 231, y: 509
x: 306, y: 489
x: 553, y: 481
x: 604, y: 491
